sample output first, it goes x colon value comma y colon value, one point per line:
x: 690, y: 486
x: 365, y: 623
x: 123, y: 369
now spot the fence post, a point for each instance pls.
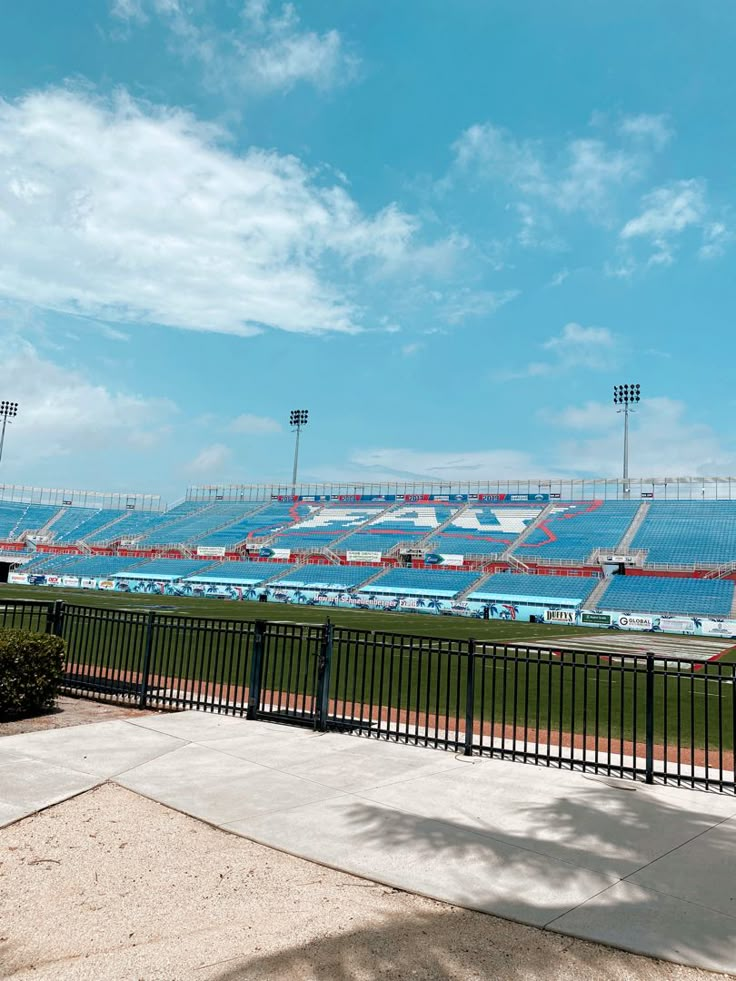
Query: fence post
x: 470, y: 699
x: 323, y: 678
x: 256, y: 670
x: 649, y: 704
x: 147, y: 651
x: 55, y: 618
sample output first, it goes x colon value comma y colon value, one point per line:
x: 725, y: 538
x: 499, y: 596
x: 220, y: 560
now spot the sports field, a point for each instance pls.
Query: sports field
x: 391, y: 661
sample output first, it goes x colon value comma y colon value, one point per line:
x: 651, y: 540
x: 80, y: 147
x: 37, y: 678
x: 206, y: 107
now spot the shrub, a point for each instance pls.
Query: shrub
x: 31, y: 670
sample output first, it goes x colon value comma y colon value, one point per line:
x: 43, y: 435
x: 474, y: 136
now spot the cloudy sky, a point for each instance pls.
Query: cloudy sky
x: 446, y: 229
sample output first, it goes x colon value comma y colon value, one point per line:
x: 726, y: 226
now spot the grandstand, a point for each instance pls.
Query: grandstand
x: 423, y: 582
x: 574, y: 531
x: 659, y: 594
x: 485, y: 529
x: 513, y: 587
x: 495, y: 547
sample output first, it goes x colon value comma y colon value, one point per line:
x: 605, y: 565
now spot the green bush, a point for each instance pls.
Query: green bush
x: 31, y: 670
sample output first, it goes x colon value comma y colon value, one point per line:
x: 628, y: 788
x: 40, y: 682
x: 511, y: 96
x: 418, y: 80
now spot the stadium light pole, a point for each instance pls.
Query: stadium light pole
x: 297, y: 419
x: 626, y: 396
x: 8, y: 411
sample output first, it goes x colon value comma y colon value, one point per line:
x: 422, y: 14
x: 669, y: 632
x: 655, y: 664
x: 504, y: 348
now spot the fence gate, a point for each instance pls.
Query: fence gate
x: 290, y: 672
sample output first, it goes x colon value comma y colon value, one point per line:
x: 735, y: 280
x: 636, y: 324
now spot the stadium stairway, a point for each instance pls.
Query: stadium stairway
x: 508, y: 555
x: 473, y: 587
x: 52, y: 520
x: 419, y: 543
x: 594, y: 599
x: 635, y: 525
x: 373, y: 578
x: 356, y: 529
x: 733, y: 605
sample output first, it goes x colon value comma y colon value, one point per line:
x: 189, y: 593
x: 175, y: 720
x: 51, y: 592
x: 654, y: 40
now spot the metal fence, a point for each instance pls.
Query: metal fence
x: 668, y: 720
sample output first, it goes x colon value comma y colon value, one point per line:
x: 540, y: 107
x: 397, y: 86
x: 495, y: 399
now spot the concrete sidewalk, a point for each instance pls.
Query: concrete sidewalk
x: 647, y: 869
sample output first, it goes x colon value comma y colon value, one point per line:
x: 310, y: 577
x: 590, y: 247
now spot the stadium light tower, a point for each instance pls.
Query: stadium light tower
x: 626, y: 396
x: 8, y: 411
x: 297, y: 419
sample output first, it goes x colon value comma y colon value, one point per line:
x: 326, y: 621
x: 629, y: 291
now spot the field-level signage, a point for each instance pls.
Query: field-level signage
x: 632, y: 621
x: 559, y: 616
x: 599, y: 619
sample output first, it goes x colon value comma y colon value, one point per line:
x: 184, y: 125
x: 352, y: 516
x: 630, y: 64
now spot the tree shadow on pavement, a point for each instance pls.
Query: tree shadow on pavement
x: 535, y: 857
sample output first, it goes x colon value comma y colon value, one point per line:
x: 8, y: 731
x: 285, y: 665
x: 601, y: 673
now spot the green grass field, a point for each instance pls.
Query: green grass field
x: 417, y: 624
x: 390, y: 659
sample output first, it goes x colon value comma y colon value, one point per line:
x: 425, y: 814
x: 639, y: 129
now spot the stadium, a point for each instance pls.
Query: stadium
x: 632, y: 555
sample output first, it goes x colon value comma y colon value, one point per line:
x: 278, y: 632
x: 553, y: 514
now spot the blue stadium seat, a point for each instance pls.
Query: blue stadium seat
x: 484, y: 529
x: 326, y: 576
x: 423, y: 582
x: 241, y: 572
x: 663, y: 594
x: 524, y: 587
x: 575, y: 530
x: 689, y: 532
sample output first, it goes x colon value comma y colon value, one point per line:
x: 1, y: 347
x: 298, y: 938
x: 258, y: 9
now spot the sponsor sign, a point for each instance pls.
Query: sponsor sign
x: 363, y: 556
x: 274, y: 553
x: 106, y: 584
x: 635, y: 621
x: 19, y: 578
x: 216, y: 551
x: 559, y: 616
x: 72, y: 581
x: 647, y: 494
x: 677, y: 625
x: 53, y: 580
x: 432, y: 558
x: 618, y: 559
x: 599, y: 619
x: 86, y: 583
x: 715, y: 628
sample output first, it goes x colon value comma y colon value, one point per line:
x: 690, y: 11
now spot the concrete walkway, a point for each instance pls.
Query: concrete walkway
x: 647, y: 869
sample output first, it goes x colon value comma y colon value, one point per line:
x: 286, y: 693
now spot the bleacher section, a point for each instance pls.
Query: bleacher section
x: 423, y: 582
x: 326, y: 577
x: 241, y: 573
x: 77, y: 524
x: 520, y: 587
x: 484, y: 529
x: 689, y: 532
x: 573, y: 531
x: 259, y: 525
x: 403, y: 523
x: 167, y: 569
x: 17, y: 519
x: 135, y: 525
x: 320, y: 528
x: 655, y: 594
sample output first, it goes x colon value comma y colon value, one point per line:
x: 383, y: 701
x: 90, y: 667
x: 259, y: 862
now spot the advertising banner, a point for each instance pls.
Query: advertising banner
x: 19, y: 578
x: 596, y: 619
x: 106, y: 584
x: 718, y: 628
x: 374, y: 557
x: 559, y: 616
x: 677, y: 625
x: 635, y: 621
x: 216, y: 551
x: 87, y: 583
x: 71, y: 581
x: 434, y: 558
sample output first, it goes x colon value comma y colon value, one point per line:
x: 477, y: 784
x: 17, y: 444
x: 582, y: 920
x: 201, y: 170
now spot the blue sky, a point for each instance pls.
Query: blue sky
x: 447, y: 229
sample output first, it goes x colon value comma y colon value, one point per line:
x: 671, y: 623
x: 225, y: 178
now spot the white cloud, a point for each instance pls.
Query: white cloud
x: 715, y: 238
x: 63, y: 413
x: 648, y: 127
x: 664, y: 441
x: 251, y: 425
x: 582, y: 177
x: 268, y: 50
x: 459, y: 305
x: 442, y: 465
x: 574, y: 347
x: 668, y: 211
x: 559, y: 278
x: 210, y: 460
x: 409, y: 350
x: 134, y: 213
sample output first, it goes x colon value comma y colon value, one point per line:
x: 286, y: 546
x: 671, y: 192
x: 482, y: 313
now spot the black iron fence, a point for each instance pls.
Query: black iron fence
x: 638, y: 716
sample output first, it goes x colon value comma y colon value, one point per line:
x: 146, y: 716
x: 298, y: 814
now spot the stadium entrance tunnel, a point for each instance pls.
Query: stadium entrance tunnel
x: 5, y: 569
